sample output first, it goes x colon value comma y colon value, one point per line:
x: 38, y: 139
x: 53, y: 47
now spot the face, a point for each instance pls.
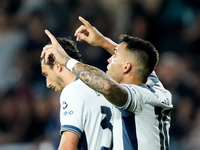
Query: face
x: 116, y: 63
x: 52, y: 79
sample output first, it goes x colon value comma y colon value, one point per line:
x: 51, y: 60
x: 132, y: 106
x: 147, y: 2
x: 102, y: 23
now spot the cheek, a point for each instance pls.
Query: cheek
x: 112, y: 63
x: 52, y: 78
x: 113, y: 60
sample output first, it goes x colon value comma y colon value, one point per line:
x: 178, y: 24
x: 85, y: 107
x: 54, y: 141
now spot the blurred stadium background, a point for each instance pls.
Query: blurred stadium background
x: 29, y: 112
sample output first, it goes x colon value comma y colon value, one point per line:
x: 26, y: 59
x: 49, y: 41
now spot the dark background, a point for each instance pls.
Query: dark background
x: 29, y: 112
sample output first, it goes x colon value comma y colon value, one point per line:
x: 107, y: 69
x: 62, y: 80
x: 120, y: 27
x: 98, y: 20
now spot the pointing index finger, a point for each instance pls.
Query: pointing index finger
x: 52, y: 38
x: 85, y: 22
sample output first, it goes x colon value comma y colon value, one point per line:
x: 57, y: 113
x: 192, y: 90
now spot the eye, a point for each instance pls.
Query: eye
x: 114, y: 55
x: 44, y: 74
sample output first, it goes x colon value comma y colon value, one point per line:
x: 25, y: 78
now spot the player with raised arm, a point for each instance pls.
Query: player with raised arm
x: 144, y: 102
x: 86, y: 116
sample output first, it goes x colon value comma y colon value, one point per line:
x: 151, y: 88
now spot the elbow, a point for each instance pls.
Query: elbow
x: 108, y: 88
x: 116, y: 94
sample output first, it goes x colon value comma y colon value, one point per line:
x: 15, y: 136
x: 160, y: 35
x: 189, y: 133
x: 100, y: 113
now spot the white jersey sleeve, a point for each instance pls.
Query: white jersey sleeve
x: 153, y: 93
x: 146, y: 115
x: 72, y: 112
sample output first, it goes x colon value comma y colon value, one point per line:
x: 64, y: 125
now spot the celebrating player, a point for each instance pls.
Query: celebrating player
x: 86, y: 116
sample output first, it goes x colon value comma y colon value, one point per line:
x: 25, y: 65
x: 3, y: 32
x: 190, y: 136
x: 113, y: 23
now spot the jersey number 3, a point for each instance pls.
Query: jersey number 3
x: 105, y: 123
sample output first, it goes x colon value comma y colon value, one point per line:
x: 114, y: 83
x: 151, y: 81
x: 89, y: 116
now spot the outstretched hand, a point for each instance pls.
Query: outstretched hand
x: 54, y: 49
x: 89, y: 34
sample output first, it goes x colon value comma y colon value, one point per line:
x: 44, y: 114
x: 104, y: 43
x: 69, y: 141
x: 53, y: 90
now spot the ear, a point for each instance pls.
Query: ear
x: 58, y: 66
x: 127, y: 67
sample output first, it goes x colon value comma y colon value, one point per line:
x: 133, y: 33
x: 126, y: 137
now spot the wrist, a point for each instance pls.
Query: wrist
x: 70, y: 63
x: 109, y: 45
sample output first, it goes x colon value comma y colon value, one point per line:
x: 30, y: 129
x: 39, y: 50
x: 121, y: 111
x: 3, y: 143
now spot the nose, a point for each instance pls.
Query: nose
x: 109, y: 60
x: 48, y: 84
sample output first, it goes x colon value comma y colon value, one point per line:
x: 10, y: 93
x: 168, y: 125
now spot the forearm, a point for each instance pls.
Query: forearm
x: 109, y: 45
x: 68, y: 141
x: 102, y: 83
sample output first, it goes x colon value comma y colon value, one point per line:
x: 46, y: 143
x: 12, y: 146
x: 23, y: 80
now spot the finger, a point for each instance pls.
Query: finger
x: 42, y: 53
x: 45, y: 48
x: 48, y: 46
x: 45, y: 54
x: 80, y: 29
x: 46, y: 58
x: 52, y: 38
x: 82, y: 37
x: 48, y: 53
x: 82, y: 34
x: 77, y: 38
x: 85, y: 22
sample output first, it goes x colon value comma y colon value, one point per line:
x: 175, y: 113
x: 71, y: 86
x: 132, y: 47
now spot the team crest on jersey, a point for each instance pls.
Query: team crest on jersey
x: 64, y: 105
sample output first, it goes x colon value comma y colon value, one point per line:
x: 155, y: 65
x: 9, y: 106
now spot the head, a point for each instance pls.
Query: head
x: 133, y: 61
x: 57, y: 76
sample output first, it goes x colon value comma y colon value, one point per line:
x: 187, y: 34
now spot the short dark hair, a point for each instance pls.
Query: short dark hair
x: 70, y: 48
x: 144, y: 53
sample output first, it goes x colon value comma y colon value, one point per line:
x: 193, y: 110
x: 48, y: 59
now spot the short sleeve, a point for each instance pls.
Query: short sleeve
x: 72, y: 112
x: 134, y: 103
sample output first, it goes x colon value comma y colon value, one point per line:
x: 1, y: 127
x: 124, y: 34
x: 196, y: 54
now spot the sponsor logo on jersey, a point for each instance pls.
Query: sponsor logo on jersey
x: 68, y: 113
x: 64, y: 104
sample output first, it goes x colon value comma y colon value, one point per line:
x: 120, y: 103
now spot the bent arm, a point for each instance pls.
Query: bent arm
x: 102, y: 83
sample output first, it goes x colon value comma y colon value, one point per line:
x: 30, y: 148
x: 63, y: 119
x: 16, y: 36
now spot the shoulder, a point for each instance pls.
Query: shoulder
x: 79, y: 91
x: 76, y: 87
x: 73, y: 92
x: 135, y: 89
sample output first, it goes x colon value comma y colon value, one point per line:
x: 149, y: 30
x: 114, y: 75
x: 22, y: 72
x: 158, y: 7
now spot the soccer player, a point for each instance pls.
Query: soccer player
x: 86, y: 116
x: 136, y: 90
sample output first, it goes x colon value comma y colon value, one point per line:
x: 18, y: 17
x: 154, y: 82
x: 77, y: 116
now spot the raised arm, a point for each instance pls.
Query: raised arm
x: 92, y: 36
x: 93, y: 77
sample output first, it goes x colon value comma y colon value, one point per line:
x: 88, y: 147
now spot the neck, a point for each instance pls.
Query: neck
x: 131, y: 80
x: 68, y: 77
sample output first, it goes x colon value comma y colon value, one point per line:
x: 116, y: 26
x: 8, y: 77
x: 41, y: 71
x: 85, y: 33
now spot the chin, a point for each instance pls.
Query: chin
x: 56, y: 90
